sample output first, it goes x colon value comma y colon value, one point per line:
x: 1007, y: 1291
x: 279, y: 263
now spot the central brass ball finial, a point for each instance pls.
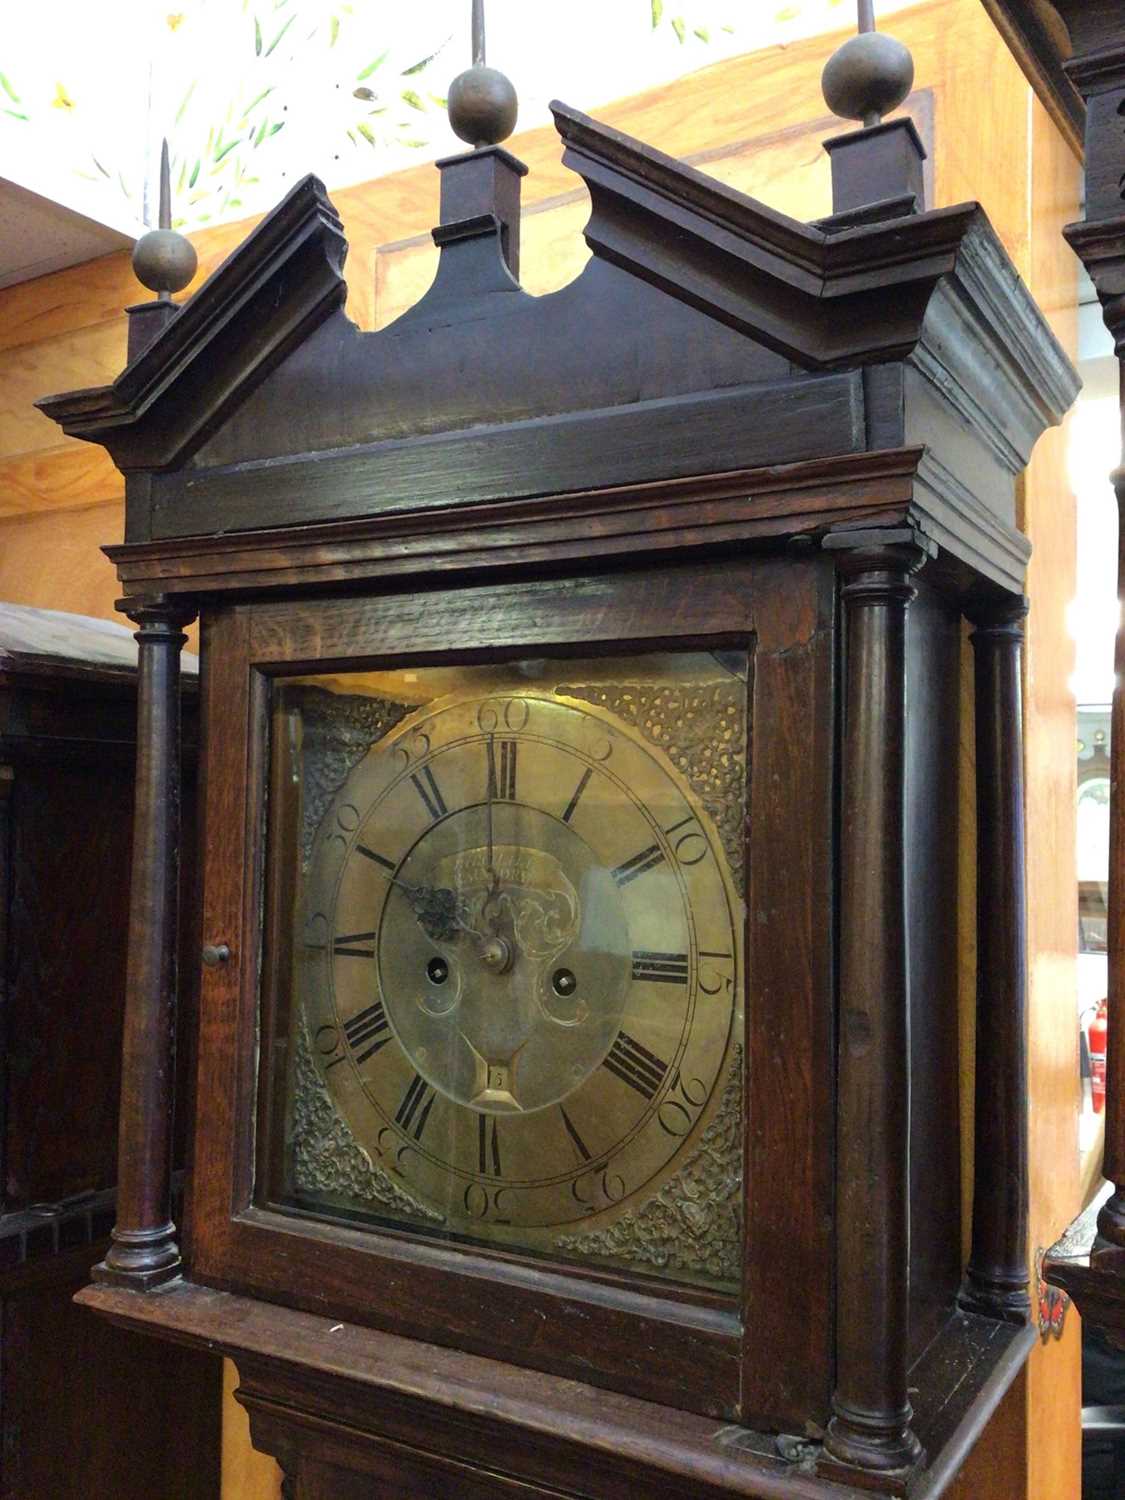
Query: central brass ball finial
x: 868, y: 76
x: 163, y: 259
x: 482, y: 101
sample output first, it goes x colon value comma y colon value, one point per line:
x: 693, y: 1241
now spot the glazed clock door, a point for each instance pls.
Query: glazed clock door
x: 488, y: 1062
x: 516, y: 955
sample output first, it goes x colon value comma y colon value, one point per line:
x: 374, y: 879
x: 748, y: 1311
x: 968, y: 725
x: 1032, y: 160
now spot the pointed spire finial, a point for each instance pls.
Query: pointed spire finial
x: 163, y: 259
x: 482, y: 101
x: 868, y: 76
x: 164, y: 218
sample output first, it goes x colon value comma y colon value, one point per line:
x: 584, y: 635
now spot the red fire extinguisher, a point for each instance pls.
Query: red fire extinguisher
x: 1099, y: 1027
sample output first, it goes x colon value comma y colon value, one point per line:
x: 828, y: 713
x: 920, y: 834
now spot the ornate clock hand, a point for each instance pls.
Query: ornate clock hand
x: 439, y: 910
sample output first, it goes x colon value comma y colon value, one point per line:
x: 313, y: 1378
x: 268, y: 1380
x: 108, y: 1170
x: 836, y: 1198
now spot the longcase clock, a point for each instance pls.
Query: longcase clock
x: 577, y: 1106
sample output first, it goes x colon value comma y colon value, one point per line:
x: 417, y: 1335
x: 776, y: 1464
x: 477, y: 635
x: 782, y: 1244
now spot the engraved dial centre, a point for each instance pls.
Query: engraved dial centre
x: 532, y: 903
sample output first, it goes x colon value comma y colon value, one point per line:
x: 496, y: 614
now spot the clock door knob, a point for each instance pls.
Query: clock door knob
x: 215, y: 954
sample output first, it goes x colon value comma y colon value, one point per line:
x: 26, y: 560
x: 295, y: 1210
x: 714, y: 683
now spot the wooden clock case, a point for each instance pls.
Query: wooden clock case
x: 731, y: 429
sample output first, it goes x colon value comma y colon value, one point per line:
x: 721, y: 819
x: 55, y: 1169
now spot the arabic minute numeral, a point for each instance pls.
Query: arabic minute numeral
x: 690, y: 847
x: 712, y: 980
x: 680, y: 1110
x: 513, y: 712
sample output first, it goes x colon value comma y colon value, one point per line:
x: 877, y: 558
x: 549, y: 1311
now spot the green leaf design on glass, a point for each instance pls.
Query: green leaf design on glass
x: 333, y: 30
x: 426, y: 61
x: 257, y: 38
x: 702, y: 33
x: 186, y: 100
x: 657, y: 13
x: 194, y: 178
x: 256, y: 101
x: 366, y: 132
x: 281, y: 33
x: 9, y: 90
x: 370, y: 68
x: 227, y: 149
x: 411, y: 98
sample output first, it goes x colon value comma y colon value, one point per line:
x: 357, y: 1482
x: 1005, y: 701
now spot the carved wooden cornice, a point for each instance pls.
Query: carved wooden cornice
x: 818, y: 299
x: 283, y: 280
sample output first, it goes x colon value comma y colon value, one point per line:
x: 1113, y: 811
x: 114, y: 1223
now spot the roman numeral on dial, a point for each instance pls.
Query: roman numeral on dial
x: 502, y: 770
x: 427, y: 788
x: 578, y: 790
x: 388, y: 864
x: 636, y: 1065
x: 572, y: 1131
x: 661, y: 968
x: 370, y: 1030
x: 647, y: 859
x: 348, y: 945
x: 488, y: 1140
x: 415, y: 1108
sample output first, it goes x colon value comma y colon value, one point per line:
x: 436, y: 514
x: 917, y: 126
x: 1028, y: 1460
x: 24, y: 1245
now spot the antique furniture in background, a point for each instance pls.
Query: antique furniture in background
x: 723, y: 503
x: 84, y: 1408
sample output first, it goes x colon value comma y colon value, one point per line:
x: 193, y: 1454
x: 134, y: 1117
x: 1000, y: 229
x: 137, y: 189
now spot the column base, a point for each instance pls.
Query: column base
x: 871, y: 1443
x: 1006, y: 1300
x: 140, y: 1258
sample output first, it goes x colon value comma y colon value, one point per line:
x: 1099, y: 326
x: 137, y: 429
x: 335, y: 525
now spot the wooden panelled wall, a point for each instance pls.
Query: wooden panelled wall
x: 755, y: 122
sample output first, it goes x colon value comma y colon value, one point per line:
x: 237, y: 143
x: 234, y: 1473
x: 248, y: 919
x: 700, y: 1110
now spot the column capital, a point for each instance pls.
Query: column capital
x: 158, y: 616
x: 997, y: 615
x: 893, y: 552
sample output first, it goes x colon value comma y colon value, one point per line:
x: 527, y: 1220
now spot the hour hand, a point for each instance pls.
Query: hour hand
x: 440, y: 912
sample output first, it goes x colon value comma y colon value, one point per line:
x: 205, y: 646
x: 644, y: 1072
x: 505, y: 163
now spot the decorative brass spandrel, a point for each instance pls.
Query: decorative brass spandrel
x: 328, y: 1162
x: 693, y: 1224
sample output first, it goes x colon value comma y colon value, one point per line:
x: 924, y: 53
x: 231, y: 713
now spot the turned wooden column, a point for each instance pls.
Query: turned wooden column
x: 144, y: 1252
x: 870, y: 1426
x: 996, y: 1282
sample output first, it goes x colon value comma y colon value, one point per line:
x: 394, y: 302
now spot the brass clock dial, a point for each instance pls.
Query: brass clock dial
x: 521, y: 962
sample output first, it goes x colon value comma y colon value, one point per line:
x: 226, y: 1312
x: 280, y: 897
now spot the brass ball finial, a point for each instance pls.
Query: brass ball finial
x: 163, y: 259
x: 868, y: 76
x: 482, y: 101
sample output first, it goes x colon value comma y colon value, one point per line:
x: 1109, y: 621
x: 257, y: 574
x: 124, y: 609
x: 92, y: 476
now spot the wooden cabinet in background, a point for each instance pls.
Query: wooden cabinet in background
x: 85, y: 1409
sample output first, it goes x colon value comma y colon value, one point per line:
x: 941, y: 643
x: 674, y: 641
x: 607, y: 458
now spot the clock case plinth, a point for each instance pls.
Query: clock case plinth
x: 732, y: 427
